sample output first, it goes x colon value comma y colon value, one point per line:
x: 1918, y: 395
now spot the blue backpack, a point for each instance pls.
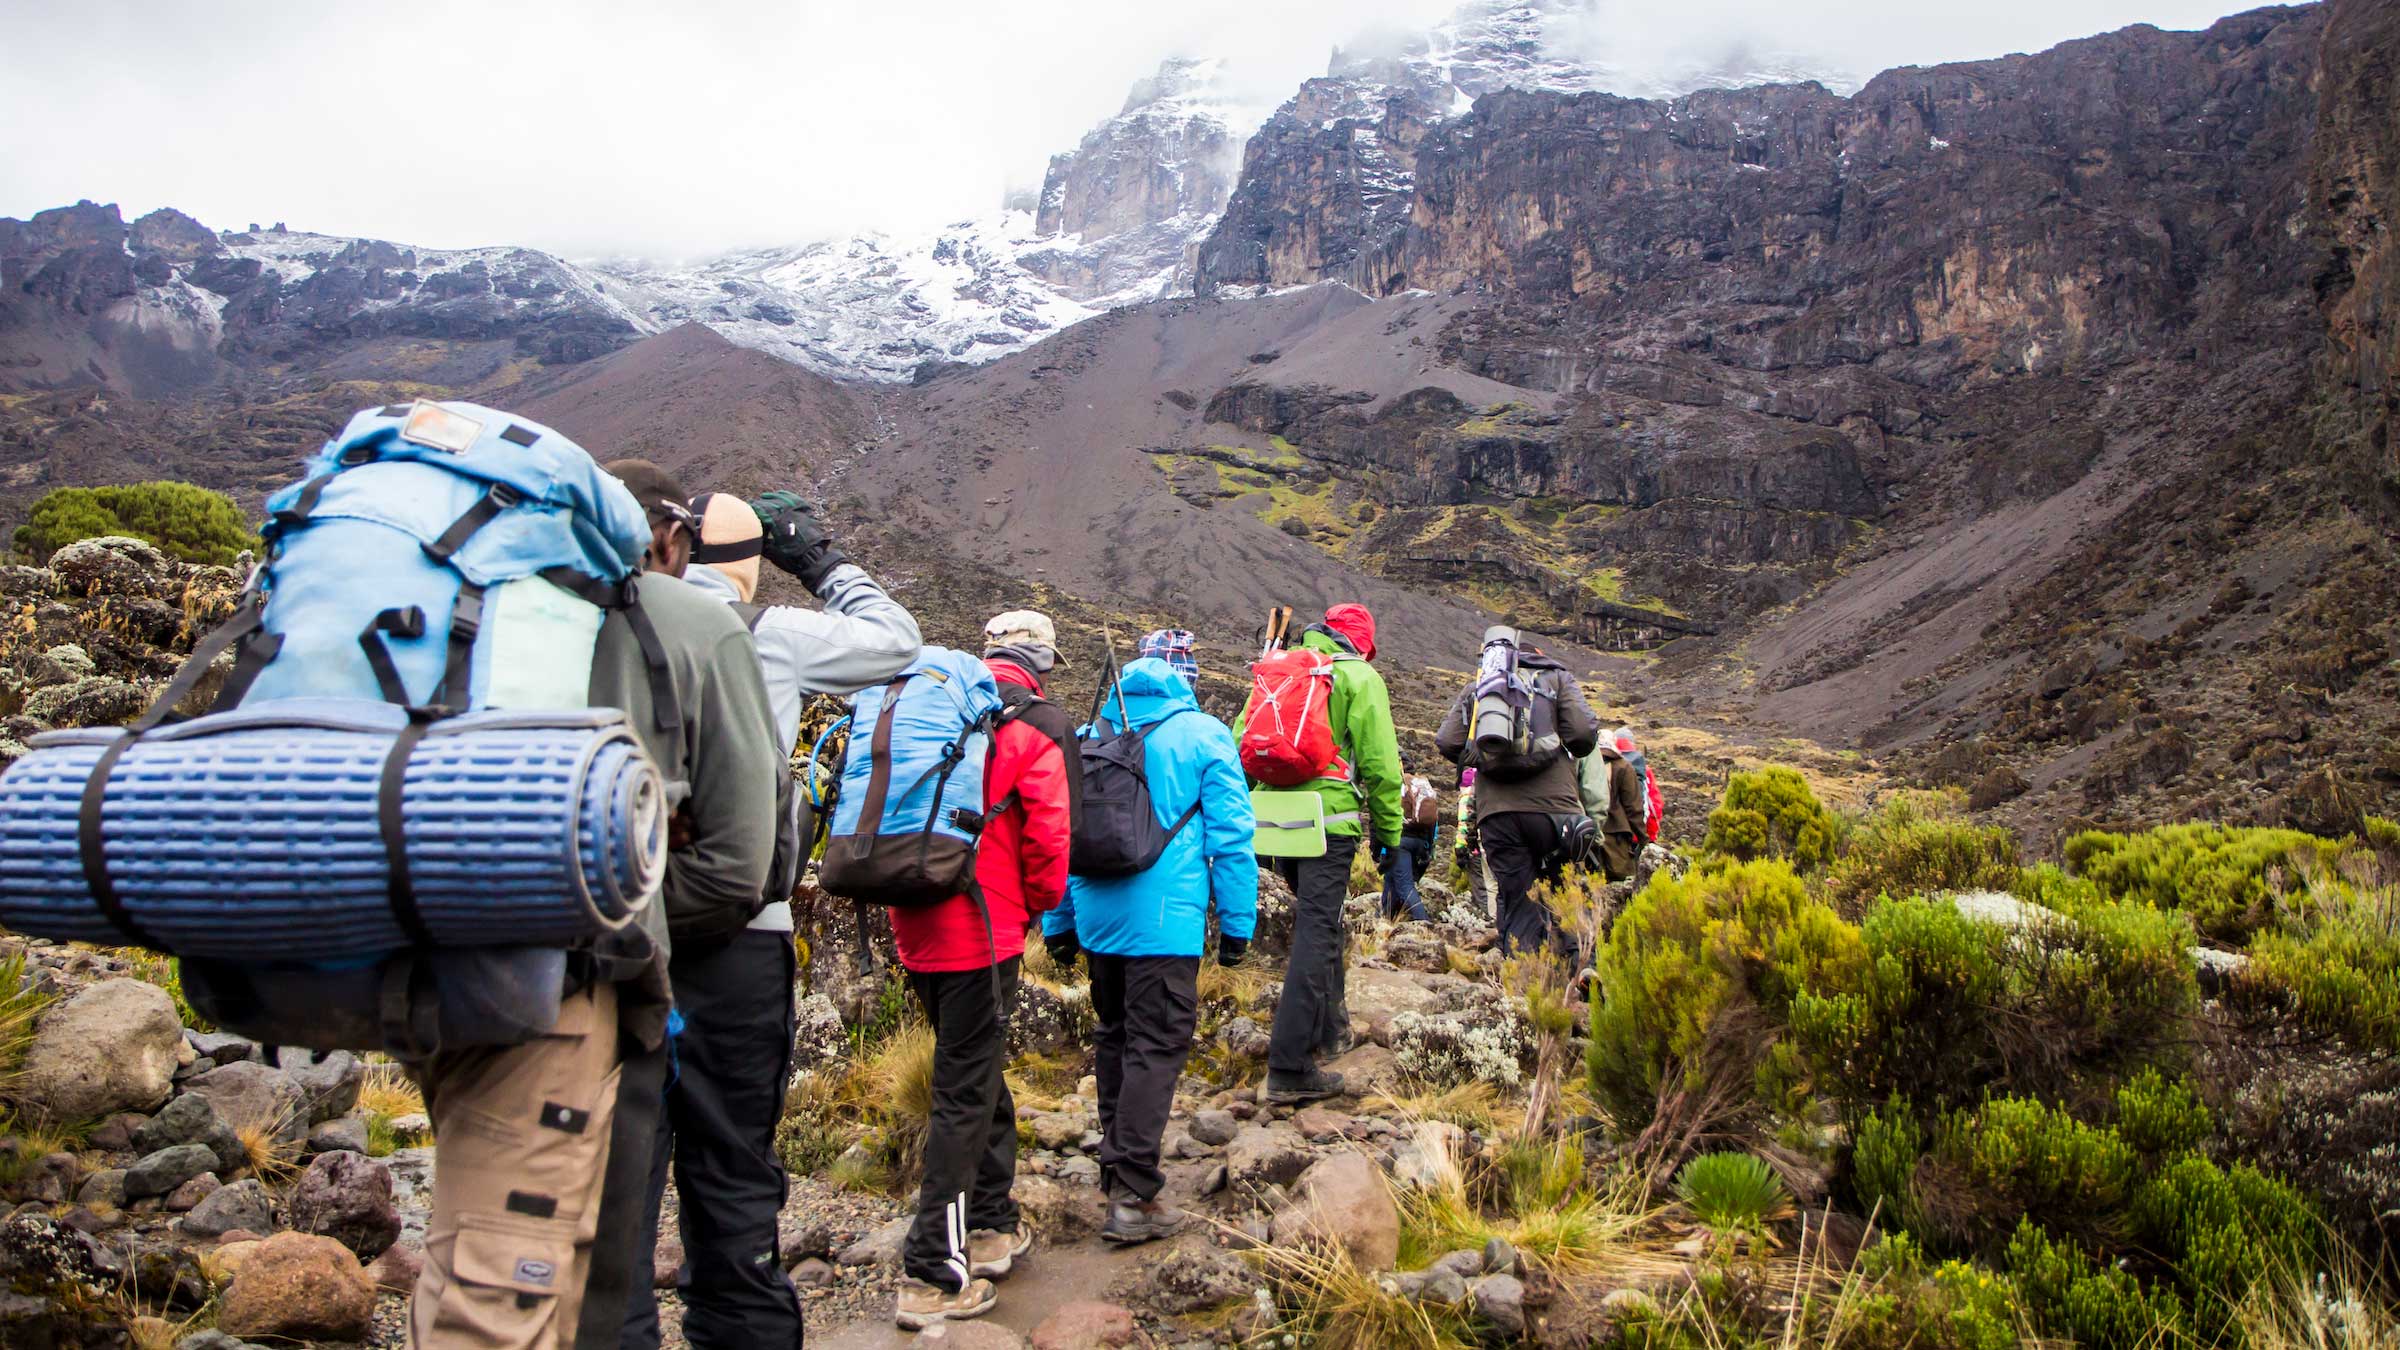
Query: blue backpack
x: 910, y: 805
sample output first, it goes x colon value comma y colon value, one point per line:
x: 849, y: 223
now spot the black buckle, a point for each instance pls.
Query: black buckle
x: 504, y: 496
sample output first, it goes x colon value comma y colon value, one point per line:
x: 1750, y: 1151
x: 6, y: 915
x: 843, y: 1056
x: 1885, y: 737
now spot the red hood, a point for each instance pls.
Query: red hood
x: 1356, y: 624
x: 1009, y: 672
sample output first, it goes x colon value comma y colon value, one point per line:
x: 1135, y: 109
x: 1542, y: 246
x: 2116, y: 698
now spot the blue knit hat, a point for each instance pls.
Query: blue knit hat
x: 1173, y: 646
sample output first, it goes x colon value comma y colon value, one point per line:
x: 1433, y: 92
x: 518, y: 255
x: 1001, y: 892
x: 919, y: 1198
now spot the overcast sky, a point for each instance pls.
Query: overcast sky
x: 678, y: 128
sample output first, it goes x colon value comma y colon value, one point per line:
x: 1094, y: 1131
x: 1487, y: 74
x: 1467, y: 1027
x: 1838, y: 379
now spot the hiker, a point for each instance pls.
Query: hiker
x: 1654, y: 802
x: 1420, y: 823
x: 1143, y: 934
x: 1466, y: 846
x: 1524, y: 789
x: 1611, y: 792
x: 1360, y: 788
x: 735, y: 989
x: 962, y: 956
x: 528, y: 1140
x: 1173, y: 646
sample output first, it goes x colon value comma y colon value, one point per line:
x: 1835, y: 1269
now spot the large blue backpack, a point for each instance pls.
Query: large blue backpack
x: 910, y: 806
x: 448, y: 558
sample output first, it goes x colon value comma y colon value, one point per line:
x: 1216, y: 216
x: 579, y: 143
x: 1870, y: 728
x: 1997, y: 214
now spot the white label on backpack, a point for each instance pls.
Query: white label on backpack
x: 432, y: 425
x: 538, y: 642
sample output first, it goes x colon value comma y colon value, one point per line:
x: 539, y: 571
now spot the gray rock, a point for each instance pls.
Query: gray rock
x: 1464, y: 1264
x: 330, y: 1082
x: 1404, y: 1283
x: 113, y: 564
x: 1344, y: 1201
x: 1500, y: 1301
x: 1499, y: 1257
x: 103, y: 1189
x: 199, y: 1188
x: 1058, y: 1130
x: 1214, y: 1128
x: 812, y: 1273
x: 879, y: 1248
x: 1080, y: 1170
x: 112, y: 1047
x: 1263, y: 1155
x: 819, y: 1038
x: 242, y: 1204
x: 93, y: 701
x: 1244, y: 1037
x: 347, y: 1197
x: 73, y: 659
x: 348, y: 1134
x: 163, y: 1171
x: 52, y: 1178
x: 191, y: 1119
x: 222, y: 1046
x: 1197, y: 1279
x: 253, y: 1094
x: 115, y: 1134
x: 1416, y: 947
x: 1446, y: 1287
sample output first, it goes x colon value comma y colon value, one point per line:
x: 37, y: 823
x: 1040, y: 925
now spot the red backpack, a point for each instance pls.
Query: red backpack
x: 1287, y: 734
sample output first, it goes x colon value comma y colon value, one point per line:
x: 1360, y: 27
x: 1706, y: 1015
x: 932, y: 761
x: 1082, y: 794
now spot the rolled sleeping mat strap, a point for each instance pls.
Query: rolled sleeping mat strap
x: 267, y: 831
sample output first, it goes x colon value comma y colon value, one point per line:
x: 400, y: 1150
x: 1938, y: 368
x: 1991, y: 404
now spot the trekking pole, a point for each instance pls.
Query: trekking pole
x: 1116, y: 679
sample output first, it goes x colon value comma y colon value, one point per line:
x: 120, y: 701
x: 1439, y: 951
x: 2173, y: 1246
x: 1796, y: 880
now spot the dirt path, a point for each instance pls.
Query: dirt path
x: 1045, y: 1280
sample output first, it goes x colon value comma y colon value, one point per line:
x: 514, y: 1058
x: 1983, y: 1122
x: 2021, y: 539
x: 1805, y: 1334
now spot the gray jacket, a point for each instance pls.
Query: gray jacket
x: 863, y: 637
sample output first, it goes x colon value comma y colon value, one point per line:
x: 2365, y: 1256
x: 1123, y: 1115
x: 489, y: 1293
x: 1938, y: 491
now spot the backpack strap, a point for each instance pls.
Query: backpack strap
x: 497, y: 498
x: 399, y: 887
x: 665, y: 713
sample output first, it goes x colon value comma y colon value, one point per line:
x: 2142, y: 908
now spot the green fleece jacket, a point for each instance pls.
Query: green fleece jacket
x: 720, y: 771
x: 1361, y: 711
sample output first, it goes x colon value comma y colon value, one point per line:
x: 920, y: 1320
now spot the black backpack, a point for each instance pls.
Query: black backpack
x: 1020, y: 704
x: 1117, y: 833
x: 1538, y: 733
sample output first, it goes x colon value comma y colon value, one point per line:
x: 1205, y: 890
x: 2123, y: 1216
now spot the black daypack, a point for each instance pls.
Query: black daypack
x: 1020, y: 704
x: 1119, y: 834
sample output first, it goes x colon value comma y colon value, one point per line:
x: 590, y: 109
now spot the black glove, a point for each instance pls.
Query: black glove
x: 1231, y: 950
x: 796, y: 541
x: 1383, y: 858
x: 1064, y: 947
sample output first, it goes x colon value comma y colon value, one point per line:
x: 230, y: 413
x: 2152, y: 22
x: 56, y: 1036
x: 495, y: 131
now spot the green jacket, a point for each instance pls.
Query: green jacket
x: 1361, y: 711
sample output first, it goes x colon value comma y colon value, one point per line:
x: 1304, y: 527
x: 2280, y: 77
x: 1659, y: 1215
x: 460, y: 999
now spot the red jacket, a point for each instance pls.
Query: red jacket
x: 1021, y: 861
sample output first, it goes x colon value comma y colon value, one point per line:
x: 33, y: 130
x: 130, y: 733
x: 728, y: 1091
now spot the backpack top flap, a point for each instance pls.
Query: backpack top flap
x: 940, y: 709
x: 496, y: 496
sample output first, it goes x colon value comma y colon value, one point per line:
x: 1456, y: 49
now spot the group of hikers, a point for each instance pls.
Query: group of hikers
x: 964, y: 802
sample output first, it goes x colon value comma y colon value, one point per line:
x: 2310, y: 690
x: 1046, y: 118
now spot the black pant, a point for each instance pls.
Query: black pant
x: 1149, y: 1007
x: 731, y: 1064
x: 1314, y: 1014
x: 1522, y: 848
x: 618, y: 1268
x: 971, y: 1136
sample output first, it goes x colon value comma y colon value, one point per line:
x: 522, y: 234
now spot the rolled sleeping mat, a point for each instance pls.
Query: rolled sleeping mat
x: 261, y: 833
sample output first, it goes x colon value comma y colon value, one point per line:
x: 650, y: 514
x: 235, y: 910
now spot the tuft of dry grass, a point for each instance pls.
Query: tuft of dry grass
x: 1473, y: 1105
x: 390, y: 1091
x: 1327, y: 1302
x: 267, y: 1156
x: 21, y: 1005
x: 2340, y: 1308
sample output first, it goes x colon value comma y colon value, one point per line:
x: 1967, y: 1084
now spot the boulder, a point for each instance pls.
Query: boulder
x: 879, y: 1248
x: 93, y: 701
x: 1342, y: 1199
x: 1214, y: 1128
x: 396, y: 1271
x: 1047, y: 1021
x: 299, y: 1286
x: 163, y: 1171
x: 110, y: 1048
x: 1499, y: 1300
x: 48, y: 1271
x: 104, y: 1189
x: 1088, y: 1325
x: 1377, y: 996
x: 166, y: 1272
x: 1266, y: 1155
x: 115, y: 1134
x: 1416, y: 947
x: 819, y: 1038
x: 222, y: 1046
x: 52, y: 1178
x: 1058, y: 1130
x: 330, y: 1082
x: 345, y: 1135
x: 1464, y: 1264
x: 1367, y: 1069
x: 1245, y: 1037
x: 1198, y: 1279
x: 247, y: 1094
x: 241, y: 1205
x: 199, y: 1188
x: 1319, y: 1126
x: 347, y: 1197
x: 1499, y: 1257
x: 812, y: 1272
x: 113, y: 564
x: 191, y: 1119
x: 1059, y: 1212
x: 1446, y: 1287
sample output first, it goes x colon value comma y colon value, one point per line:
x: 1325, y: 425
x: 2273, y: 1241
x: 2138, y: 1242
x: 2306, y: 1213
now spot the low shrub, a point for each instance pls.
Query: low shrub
x: 2067, y: 1293
x: 190, y: 523
x: 1913, y: 847
x: 1733, y: 1192
x: 2159, y: 1117
x: 2221, y: 1228
x: 2226, y: 878
x: 1771, y: 813
x: 1919, y: 1021
x: 1692, y: 963
x: 2016, y: 1157
x: 2338, y: 961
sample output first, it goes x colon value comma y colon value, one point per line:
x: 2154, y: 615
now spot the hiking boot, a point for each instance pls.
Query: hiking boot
x: 991, y: 1252
x: 1292, y: 1089
x: 921, y: 1305
x: 1133, y: 1221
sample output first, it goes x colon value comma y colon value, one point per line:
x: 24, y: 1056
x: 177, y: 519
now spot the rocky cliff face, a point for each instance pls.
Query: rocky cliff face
x: 2355, y: 186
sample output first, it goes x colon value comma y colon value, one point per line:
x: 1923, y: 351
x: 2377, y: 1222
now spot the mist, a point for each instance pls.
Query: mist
x: 672, y: 131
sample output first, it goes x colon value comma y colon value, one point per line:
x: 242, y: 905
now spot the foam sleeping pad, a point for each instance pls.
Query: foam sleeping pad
x: 256, y: 834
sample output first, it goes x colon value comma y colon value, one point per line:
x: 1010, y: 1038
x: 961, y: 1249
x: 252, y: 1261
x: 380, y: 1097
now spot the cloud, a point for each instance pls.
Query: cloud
x: 673, y: 129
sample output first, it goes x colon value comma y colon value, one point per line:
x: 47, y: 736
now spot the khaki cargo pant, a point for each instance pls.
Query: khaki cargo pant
x: 521, y: 1145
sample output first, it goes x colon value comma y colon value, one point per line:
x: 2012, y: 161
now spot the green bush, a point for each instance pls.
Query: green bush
x: 1688, y: 959
x: 2015, y: 1157
x: 2341, y: 967
x: 1770, y: 813
x: 2159, y: 1116
x: 1918, y: 1024
x: 2069, y: 1294
x: 2223, y: 877
x: 1732, y: 1191
x: 190, y: 523
x: 2223, y: 1228
x: 2103, y: 989
x: 1887, y: 1146
x: 1909, y: 848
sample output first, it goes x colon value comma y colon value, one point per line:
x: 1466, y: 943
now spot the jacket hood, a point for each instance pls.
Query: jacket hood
x: 1537, y: 659
x: 1355, y: 623
x: 1152, y: 691
x: 1009, y: 672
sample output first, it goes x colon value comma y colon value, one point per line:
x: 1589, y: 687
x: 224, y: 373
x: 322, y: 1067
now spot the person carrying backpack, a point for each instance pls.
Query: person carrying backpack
x: 1142, y: 931
x: 1466, y: 846
x: 1654, y: 802
x: 1420, y: 823
x: 962, y: 956
x: 1360, y: 785
x: 734, y: 989
x: 1525, y: 782
x: 1612, y: 797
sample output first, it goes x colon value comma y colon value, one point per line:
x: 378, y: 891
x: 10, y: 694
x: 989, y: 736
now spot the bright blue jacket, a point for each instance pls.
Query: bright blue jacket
x: 1191, y: 757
